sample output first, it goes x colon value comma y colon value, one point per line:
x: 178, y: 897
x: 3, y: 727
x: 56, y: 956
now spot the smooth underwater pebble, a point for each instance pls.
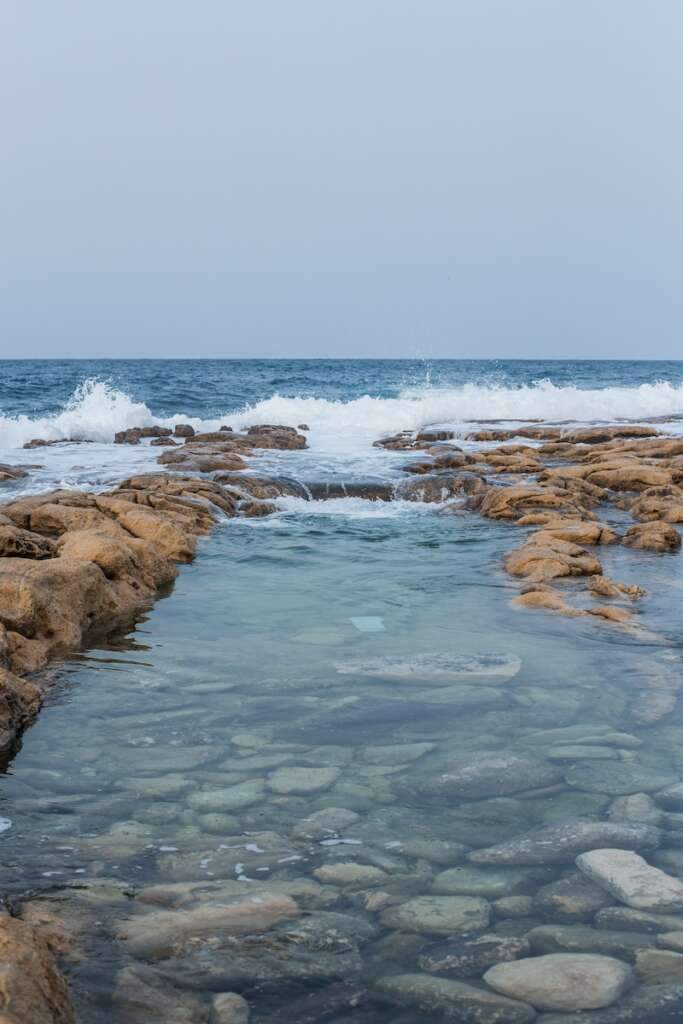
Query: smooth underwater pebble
x: 439, y: 915
x: 562, y: 981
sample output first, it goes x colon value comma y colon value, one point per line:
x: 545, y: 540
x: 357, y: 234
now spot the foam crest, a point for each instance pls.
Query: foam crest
x: 414, y: 409
x: 97, y: 410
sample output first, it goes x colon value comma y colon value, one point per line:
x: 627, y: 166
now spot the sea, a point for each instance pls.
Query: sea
x: 373, y: 644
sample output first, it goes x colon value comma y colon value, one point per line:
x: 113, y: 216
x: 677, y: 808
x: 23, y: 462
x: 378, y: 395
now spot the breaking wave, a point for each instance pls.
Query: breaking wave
x: 97, y: 410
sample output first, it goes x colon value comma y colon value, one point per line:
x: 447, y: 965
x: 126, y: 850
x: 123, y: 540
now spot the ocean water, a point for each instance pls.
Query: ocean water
x: 373, y: 643
x: 347, y: 404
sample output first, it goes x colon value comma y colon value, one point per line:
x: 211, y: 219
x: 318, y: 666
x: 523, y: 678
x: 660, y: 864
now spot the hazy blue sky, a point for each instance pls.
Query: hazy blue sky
x: 370, y: 177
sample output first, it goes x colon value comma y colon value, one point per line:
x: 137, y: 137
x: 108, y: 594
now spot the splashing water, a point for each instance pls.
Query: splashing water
x: 97, y: 410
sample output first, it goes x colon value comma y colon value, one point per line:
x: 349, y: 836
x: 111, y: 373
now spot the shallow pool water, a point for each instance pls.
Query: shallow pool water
x: 343, y: 662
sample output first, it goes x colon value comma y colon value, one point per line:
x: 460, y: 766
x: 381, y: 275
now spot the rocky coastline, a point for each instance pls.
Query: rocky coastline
x: 77, y: 566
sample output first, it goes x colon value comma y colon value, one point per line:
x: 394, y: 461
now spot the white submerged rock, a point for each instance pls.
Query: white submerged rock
x: 630, y: 879
x: 562, y: 981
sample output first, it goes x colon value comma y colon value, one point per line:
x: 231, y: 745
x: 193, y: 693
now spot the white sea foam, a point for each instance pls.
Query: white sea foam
x: 417, y: 408
x: 96, y: 410
x: 351, y: 508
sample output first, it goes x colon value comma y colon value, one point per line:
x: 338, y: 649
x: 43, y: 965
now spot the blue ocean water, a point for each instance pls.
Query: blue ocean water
x: 210, y: 387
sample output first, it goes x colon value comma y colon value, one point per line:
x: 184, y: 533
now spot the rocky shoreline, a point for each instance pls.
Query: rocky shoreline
x: 76, y: 566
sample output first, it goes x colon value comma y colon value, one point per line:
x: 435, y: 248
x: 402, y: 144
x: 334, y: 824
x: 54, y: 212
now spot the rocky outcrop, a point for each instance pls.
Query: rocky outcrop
x: 75, y: 565
x: 135, y: 434
x: 10, y: 473
x: 18, y: 543
x: 545, y: 557
x: 659, y: 503
x: 438, y: 487
x: 521, y: 500
x: 203, y: 458
x: 657, y: 536
x: 31, y: 988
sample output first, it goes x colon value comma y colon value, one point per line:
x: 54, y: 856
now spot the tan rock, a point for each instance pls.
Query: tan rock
x: 55, y: 519
x: 611, y: 613
x: 165, y: 535
x: 119, y: 557
x: 59, y: 599
x: 32, y: 991
x: 18, y: 543
x: 662, y: 503
x: 536, y: 433
x: 545, y: 558
x: 19, y: 702
x: 632, y: 477
x: 610, y: 588
x: 548, y: 600
x: 521, y: 499
x: 577, y: 531
x: 595, y: 435
x: 660, y: 537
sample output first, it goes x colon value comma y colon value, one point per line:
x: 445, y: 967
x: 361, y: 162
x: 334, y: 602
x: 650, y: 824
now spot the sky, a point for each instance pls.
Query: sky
x: 400, y: 178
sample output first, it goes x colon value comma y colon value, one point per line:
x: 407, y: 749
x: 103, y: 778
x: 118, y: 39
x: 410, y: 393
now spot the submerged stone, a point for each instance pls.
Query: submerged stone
x: 287, y: 781
x: 636, y: 807
x: 439, y: 915
x: 237, y: 857
x: 660, y: 967
x: 557, y: 844
x: 472, y: 881
x: 328, y: 822
x: 562, y: 981
x: 619, y: 778
x: 627, y: 919
x: 349, y: 873
x: 647, y: 1004
x: 433, y: 669
x: 455, y: 1000
x: 229, y: 1008
x: 581, y: 938
x: 401, y: 753
x: 230, y: 798
x: 572, y: 898
x: 485, y: 774
x: 166, y: 933
x: 633, y: 881
x: 470, y: 957
x: 146, y: 997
